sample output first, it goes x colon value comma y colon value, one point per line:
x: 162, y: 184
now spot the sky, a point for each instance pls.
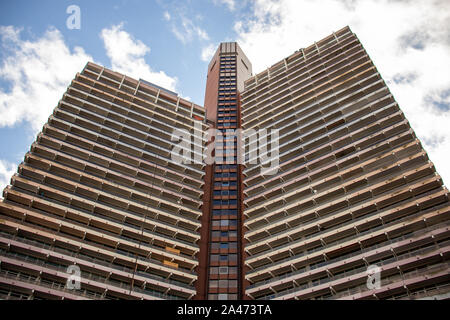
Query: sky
x: 170, y: 43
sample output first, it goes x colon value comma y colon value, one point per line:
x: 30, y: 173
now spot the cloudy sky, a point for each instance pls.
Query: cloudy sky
x: 170, y: 43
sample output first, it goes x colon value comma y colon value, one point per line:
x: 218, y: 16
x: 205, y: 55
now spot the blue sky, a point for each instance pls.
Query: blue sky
x: 170, y: 43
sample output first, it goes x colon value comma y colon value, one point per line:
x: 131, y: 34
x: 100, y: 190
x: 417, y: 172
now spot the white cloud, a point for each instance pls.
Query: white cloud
x: 7, y: 169
x: 167, y: 16
x: 37, y: 72
x: 231, y: 4
x: 409, y: 42
x: 127, y: 56
x: 208, y: 52
x: 188, y: 30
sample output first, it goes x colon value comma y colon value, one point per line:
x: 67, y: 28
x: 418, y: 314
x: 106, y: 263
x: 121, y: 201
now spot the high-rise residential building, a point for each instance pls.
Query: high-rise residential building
x: 99, y: 190
x: 221, y: 269
x: 333, y: 196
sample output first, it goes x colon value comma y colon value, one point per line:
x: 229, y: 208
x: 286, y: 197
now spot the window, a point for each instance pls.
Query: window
x: 215, y: 234
x: 232, y: 283
x: 224, y: 223
x: 222, y: 296
x: 213, y: 283
x: 223, y: 283
x: 213, y: 270
x: 224, y: 245
x: 224, y: 233
x: 223, y: 257
x: 223, y: 270
x: 214, y: 257
x: 232, y: 234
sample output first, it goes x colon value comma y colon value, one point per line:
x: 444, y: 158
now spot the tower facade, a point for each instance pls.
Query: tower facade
x: 98, y: 196
x: 221, y: 262
x: 316, y: 187
x: 355, y: 197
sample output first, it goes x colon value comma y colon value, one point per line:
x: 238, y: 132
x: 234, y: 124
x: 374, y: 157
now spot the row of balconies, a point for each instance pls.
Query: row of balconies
x: 311, y: 284
x: 105, y: 179
x: 102, y: 267
x: 400, y: 171
x: 362, y: 96
x: 108, y: 161
x: 305, y: 80
x: 58, y: 182
x: 315, y: 231
x: 28, y: 286
x: 95, y: 232
x: 401, y: 283
x: 122, y: 110
x: 167, y: 210
x: 394, y: 266
x: 293, y: 182
x: 319, y: 114
x: 321, y: 79
x: 260, y: 204
x: 126, y: 162
x: 298, y: 57
x: 105, y: 274
x: 348, y: 149
x: 190, y: 206
x: 137, y: 104
x: 132, y: 189
x: 333, y: 161
x: 299, y: 71
x: 336, y: 266
x: 100, y: 245
x: 375, y: 198
x: 140, y: 89
x: 352, y: 241
x: 255, y: 237
x: 122, y: 124
x: 372, y: 96
x: 309, y: 142
x: 121, y: 141
x: 101, y: 215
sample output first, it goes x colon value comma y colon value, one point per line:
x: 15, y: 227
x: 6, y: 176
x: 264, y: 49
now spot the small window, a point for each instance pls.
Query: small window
x: 223, y: 270
x: 213, y: 270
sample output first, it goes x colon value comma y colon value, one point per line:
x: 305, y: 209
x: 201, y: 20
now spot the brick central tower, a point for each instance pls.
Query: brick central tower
x: 221, y: 246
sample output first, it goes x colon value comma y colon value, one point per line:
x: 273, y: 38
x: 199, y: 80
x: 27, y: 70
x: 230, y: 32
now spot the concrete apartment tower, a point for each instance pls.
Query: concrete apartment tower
x: 354, y: 209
